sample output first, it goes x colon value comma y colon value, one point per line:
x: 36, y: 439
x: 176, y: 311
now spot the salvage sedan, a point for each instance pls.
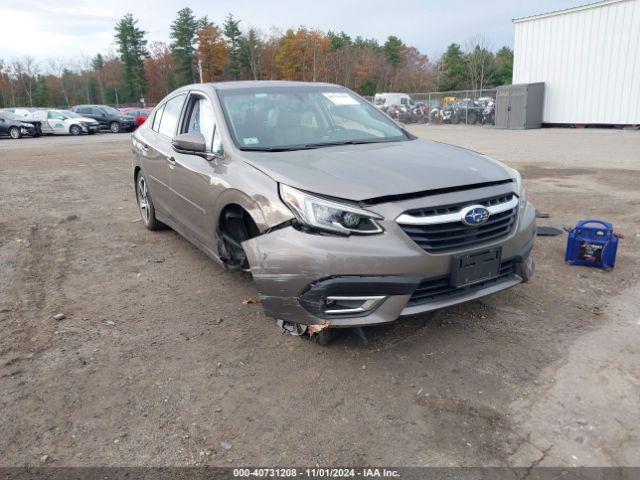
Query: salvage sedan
x: 15, y: 126
x: 64, y: 122
x: 343, y: 217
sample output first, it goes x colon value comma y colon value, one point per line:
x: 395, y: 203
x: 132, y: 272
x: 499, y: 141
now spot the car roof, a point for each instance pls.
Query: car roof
x: 265, y: 83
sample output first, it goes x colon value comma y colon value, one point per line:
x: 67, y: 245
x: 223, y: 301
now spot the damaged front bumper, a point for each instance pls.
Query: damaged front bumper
x: 317, y: 279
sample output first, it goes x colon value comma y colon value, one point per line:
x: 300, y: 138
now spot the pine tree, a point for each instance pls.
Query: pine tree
x: 393, y: 51
x: 132, y: 50
x: 453, y: 73
x: 503, y: 72
x: 97, y: 63
x: 41, y: 94
x: 231, y: 30
x: 183, y: 33
x: 251, y: 47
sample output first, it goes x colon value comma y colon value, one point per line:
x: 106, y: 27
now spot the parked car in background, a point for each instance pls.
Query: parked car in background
x: 108, y: 117
x: 140, y: 114
x: 64, y: 122
x: 343, y: 217
x: 21, y: 111
x: 15, y: 126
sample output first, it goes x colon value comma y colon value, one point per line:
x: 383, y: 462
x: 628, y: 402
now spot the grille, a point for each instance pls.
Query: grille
x: 440, y: 237
x: 433, y: 289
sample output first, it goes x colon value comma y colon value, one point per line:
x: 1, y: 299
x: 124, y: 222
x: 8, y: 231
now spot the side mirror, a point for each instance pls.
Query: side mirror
x: 190, y: 144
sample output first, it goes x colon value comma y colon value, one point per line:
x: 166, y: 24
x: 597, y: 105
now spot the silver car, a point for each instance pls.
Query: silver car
x: 343, y: 217
x: 63, y: 122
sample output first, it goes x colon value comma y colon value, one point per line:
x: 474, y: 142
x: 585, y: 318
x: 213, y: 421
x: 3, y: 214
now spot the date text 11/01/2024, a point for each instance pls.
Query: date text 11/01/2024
x: 316, y: 472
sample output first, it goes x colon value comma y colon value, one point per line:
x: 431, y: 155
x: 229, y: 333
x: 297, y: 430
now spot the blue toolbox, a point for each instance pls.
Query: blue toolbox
x: 592, y: 243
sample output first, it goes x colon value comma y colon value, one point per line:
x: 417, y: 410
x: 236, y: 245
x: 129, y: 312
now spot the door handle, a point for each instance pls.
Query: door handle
x: 171, y: 160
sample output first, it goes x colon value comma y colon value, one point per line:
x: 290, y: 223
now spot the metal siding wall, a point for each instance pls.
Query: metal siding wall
x: 589, y: 60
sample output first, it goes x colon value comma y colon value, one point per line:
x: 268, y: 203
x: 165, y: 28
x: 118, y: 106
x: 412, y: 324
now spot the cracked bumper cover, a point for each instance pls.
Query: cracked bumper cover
x: 296, y: 271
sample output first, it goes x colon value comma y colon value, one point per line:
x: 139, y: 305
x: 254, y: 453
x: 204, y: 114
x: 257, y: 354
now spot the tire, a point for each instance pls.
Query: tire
x: 15, y: 133
x: 75, y: 130
x: 455, y: 119
x: 114, y: 127
x: 472, y: 119
x: 145, y: 204
x: 323, y: 337
x: 91, y: 132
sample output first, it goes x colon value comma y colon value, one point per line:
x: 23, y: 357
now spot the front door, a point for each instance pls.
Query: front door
x: 194, y: 179
x: 56, y: 123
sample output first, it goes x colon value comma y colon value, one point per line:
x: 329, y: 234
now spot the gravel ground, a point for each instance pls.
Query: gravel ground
x: 159, y: 362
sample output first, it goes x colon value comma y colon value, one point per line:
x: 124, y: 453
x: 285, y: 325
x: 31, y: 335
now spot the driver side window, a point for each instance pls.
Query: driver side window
x: 202, y: 120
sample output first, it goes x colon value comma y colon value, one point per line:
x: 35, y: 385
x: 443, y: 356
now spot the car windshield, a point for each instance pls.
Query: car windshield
x: 285, y: 118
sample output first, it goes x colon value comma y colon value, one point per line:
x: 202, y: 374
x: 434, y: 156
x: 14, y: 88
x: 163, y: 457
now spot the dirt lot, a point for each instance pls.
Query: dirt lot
x: 159, y: 362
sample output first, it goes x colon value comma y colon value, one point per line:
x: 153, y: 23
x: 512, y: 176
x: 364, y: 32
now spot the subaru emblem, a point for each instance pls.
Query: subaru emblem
x: 474, y: 215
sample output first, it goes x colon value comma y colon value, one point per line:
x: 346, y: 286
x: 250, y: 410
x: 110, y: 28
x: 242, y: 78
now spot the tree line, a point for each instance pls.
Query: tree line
x: 200, y: 49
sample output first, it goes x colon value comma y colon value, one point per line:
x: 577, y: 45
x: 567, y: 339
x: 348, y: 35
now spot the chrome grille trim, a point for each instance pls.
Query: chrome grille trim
x: 441, y: 228
x: 408, y: 219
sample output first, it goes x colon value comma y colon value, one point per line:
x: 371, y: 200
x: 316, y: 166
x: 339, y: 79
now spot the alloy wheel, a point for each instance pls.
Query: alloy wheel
x: 143, y: 199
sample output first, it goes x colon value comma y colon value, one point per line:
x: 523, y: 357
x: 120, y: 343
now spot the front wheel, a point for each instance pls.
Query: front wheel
x: 114, y: 127
x: 145, y: 204
x: 323, y: 337
x: 15, y: 133
x: 74, y: 130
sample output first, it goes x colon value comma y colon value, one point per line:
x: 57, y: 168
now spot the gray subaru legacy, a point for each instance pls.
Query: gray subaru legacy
x: 343, y: 217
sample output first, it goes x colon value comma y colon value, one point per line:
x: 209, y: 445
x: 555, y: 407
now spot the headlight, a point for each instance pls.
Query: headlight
x: 328, y: 215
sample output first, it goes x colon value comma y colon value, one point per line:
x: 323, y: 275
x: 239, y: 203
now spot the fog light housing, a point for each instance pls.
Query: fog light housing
x: 351, y: 304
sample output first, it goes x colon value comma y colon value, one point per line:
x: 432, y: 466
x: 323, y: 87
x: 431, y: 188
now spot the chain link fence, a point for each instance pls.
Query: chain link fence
x: 470, y: 107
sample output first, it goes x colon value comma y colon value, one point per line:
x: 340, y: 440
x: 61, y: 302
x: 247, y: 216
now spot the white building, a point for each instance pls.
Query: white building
x: 589, y: 59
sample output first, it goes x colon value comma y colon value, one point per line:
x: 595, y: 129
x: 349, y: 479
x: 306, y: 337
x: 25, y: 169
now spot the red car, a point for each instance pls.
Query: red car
x: 140, y: 114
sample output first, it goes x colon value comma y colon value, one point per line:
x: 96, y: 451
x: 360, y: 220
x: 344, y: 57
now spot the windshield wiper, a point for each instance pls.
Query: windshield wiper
x: 270, y: 149
x: 344, y: 142
x: 309, y: 146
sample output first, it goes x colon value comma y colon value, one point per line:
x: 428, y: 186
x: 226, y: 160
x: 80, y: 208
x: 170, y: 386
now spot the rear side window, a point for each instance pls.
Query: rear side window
x: 156, y: 119
x: 170, y: 116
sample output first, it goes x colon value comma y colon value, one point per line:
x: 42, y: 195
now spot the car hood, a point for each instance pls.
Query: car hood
x: 361, y: 172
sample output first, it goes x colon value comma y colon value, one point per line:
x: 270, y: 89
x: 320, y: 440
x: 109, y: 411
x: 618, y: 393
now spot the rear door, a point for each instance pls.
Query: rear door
x: 4, y: 124
x: 41, y: 116
x: 99, y: 115
x: 158, y: 161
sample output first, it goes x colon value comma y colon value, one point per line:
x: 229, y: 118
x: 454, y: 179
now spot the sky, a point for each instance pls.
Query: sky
x: 79, y: 29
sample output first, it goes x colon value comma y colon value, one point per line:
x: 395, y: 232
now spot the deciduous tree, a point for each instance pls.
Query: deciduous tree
x: 213, y: 52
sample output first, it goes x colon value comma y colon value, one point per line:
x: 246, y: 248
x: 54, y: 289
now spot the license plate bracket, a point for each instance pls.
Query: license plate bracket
x: 474, y: 267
